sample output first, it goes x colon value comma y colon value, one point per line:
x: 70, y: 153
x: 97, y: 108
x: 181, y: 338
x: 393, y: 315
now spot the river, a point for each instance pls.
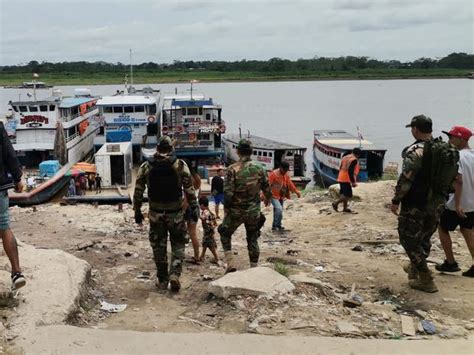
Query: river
x: 290, y: 111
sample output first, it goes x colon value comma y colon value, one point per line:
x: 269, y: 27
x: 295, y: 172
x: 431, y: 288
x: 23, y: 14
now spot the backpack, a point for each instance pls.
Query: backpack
x: 441, y: 164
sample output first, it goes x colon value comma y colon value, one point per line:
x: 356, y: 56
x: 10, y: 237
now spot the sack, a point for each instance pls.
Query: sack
x: 441, y: 161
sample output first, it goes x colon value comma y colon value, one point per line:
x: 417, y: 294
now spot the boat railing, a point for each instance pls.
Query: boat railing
x: 70, y: 138
x: 76, y: 115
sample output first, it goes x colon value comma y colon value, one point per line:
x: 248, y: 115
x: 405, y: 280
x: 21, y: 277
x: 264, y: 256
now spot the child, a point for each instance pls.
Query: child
x: 208, y: 224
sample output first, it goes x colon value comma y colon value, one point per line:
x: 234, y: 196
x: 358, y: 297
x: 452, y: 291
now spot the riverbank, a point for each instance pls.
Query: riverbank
x: 324, y: 253
x: 157, y: 77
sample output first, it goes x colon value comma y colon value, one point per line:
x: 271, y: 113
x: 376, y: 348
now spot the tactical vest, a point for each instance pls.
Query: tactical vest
x: 418, y: 193
x: 164, y: 182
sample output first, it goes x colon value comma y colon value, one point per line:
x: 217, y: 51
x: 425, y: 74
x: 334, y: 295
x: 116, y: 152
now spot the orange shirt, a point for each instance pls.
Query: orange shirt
x: 344, y: 169
x: 281, y: 185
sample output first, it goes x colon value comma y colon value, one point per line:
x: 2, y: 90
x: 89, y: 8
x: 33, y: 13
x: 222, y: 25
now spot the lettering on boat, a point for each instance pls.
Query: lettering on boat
x: 34, y: 120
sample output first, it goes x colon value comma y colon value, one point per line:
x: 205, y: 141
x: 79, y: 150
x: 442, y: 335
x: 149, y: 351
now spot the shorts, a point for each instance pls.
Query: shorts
x: 208, y: 241
x: 4, y: 216
x: 346, y: 189
x: 219, y: 199
x: 450, y: 220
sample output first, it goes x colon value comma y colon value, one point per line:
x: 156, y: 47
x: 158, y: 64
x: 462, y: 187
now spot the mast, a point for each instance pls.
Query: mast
x: 35, y: 75
x: 131, y: 68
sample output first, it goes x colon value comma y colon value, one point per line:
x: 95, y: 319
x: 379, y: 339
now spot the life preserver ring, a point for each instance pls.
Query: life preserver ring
x: 179, y: 129
x: 164, y: 129
x: 222, y: 128
x: 151, y: 119
x: 192, y: 137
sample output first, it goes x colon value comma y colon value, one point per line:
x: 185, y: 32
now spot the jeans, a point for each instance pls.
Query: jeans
x: 4, y: 217
x: 277, y: 212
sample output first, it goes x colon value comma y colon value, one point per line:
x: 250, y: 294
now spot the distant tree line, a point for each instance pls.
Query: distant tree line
x: 278, y: 65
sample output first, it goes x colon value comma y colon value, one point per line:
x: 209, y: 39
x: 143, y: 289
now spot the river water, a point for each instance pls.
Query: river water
x: 290, y: 111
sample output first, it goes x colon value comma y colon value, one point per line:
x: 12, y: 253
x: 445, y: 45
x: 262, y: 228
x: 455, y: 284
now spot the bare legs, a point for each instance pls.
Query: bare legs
x: 447, y: 244
x: 194, y: 239
x: 11, y: 249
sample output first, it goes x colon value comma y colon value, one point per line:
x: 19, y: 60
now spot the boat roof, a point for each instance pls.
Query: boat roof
x: 45, y: 101
x: 185, y: 100
x: 68, y: 102
x: 128, y: 100
x: 343, y: 140
x: 262, y: 143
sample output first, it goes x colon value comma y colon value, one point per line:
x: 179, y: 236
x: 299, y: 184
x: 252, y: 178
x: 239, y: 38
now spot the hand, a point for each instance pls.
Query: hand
x: 298, y: 194
x: 394, y: 209
x: 354, y: 184
x: 138, y: 217
x: 460, y: 212
x: 18, y: 186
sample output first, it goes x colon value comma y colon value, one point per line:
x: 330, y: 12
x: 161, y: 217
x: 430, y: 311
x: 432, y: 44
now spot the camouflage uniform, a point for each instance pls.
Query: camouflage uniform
x: 418, y: 217
x: 166, y: 216
x: 244, y: 181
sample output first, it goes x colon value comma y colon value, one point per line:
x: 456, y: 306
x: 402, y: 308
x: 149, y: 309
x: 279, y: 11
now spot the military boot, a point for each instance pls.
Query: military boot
x: 174, y: 283
x: 229, y: 259
x: 161, y: 285
x: 410, y: 269
x: 253, y: 264
x: 424, y: 283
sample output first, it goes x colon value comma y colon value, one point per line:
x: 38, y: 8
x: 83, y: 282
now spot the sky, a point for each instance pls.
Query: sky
x: 163, y: 31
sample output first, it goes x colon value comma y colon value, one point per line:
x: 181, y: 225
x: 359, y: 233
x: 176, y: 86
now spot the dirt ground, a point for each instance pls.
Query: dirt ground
x: 318, y: 243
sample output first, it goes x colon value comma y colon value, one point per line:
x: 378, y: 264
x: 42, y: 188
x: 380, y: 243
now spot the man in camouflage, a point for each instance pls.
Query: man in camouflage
x: 418, y: 217
x: 165, y: 177
x: 244, y: 181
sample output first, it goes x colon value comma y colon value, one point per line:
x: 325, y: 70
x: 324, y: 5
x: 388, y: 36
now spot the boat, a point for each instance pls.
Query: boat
x: 270, y: 154
x: 56, y: 128
x: 30, y: 85
x: 330, y: 146
x: 129, y: 116
x: 195, y: 124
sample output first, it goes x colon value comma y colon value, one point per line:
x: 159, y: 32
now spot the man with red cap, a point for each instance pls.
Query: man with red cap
x: 460, y: 206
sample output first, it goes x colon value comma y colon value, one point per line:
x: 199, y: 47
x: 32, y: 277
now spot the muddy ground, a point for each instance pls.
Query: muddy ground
x: 318, y: 242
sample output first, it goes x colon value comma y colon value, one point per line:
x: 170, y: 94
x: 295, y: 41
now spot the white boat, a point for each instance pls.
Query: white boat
x: 269, y: 154
x: 129, y: 116
x: 34, y: 127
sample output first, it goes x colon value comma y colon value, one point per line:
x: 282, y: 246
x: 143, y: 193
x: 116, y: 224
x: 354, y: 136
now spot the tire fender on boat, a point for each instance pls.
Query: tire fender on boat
x: 151, y: 119
x: 179, y: 129
x: 192, y: 137
x: 164, y: 129
x: 222, y: 128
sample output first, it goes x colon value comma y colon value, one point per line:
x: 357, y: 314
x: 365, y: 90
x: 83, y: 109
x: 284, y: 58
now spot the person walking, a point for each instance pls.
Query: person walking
x: 98, y: 184
x: 459, y: 209
x: 281, y: 186
x: 347, y: 179
x: 10, y: 176
x: 217, y: 190
x: 243, y: 183
x: 209, y: 225
x: 190, y: 218
x: 166, y: 178
x: 420, y: 204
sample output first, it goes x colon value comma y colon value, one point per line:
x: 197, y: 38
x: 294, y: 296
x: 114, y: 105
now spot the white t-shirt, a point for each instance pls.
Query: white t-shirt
x: 466, y: 169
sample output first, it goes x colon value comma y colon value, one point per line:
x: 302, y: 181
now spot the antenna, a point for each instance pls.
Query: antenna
x: 240, y: 131
x: 248, y: 133
x: 131, y: 68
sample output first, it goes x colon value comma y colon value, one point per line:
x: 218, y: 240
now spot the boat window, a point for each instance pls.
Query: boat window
x: 254, y: 153
x: 139, y: 108
x: 204, y: 136
x: 136, y: 125
x: 200, y: 110
x: 118, y: 109
x: 259, y: 153
x: 23, y: 108
x: 183, y: 111
x: 15, y: 108
x: 128, y: 109
x: 151, y: 109
x: 101, y: 131
x: 74, y: 110
x: 107, y: 109
x: 192, y: 111
x: 71, y: 131
x: 270, y: 154
x: 264, y: 154
x: 43, y: 108
x: 52, y: 107
x: 33, y: 108
x: 289, y: 154
x: 208, y: 116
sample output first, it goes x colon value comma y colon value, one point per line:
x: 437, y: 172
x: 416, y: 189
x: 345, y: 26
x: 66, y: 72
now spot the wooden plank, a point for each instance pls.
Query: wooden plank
x: 408, y: 328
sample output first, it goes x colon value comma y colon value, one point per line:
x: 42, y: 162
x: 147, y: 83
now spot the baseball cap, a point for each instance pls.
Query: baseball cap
x: 459, y: 132
x: 165, y: 142
x: 244, y: 144
x: 423, y: 123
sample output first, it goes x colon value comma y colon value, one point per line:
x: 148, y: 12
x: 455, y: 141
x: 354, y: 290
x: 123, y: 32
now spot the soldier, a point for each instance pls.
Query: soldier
x: 244, y: 181
x: 166, y: 177
x: 418, y: 218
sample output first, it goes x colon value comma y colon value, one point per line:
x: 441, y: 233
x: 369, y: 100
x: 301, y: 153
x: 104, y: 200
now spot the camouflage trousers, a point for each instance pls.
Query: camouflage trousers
x: 415, y: 229
x: 160, y: 225
x: 232, y: 220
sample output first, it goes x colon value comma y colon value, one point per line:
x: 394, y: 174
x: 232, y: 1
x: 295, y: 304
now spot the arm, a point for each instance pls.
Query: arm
x: 140, y: 185
x: 265, y: 187
x: 187, y: 184
x: 9, y: 157
x: 293, y: 188
x: 457, y: 196
x: 351, y: 172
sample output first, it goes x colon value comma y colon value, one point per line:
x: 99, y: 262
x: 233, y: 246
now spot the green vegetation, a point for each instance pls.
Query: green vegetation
x: 74, y: 73
x: 281, y: 268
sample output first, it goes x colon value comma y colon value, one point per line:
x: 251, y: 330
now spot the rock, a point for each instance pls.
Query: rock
x: 408, y: 328
x: 420, y: 313
x: 255, y: 281
x: 428, y: 327
x: 454, y: 332
x: 252, y: 327
x: 347, y: 328
x: 357, y: 248
x: 304, y: 279
x: 469, y: 326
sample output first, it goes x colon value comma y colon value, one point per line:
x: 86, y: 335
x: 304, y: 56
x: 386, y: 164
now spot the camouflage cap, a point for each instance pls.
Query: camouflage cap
x: 244, y: 144
x: 165, y: 142
x: 423, y: 123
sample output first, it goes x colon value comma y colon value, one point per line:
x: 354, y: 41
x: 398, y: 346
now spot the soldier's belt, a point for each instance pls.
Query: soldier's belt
x: 166, y: 211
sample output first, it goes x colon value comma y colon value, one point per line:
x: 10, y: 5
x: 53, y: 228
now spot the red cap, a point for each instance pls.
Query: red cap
x: 460, y: 132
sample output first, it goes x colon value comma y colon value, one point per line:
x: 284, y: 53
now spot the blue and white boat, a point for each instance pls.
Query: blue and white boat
x: 330, y: 146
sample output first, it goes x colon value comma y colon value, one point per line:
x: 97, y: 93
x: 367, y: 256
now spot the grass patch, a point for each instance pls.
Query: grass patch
x: 282, y: 269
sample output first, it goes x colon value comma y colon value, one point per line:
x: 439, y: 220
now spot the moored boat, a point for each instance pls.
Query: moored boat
x: 269, y: 154
x: 330, y: 146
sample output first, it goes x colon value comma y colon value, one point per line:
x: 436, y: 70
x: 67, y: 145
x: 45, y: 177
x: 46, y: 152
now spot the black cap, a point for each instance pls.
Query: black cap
x: 423, y: 123
x: 244, y: 144
x: 165, y: 142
